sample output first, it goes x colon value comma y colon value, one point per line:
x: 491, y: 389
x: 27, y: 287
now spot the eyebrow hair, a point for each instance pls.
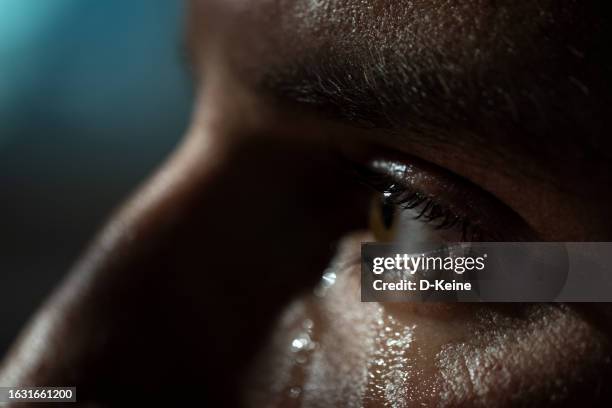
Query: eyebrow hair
x: 495, y: 99
x: 367, y: 94
x: 545, y: 115
x: 392, y: 92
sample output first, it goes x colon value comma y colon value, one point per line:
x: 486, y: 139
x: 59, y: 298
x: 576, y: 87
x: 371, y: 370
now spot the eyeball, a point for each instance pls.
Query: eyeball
x: 384, y: 216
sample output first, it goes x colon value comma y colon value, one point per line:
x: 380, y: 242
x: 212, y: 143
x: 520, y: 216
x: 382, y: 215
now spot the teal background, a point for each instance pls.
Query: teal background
x: 93, y: 95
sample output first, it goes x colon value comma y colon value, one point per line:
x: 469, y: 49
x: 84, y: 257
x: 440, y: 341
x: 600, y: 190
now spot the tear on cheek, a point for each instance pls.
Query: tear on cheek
x: 320, y: 350
x: 330, y: 349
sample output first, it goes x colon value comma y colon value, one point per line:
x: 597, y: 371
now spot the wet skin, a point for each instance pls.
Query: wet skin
x: 205, y: 277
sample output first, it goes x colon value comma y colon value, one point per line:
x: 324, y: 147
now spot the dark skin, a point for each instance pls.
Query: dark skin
x: 179, y: 288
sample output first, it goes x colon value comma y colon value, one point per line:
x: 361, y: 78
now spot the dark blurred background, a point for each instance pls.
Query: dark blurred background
x: 93, y: 95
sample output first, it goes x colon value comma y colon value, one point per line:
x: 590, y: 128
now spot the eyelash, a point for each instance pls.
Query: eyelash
x: 428, y: 209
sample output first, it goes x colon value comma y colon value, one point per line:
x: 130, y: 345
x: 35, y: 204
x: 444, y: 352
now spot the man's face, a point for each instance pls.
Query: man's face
x: 497, y: 114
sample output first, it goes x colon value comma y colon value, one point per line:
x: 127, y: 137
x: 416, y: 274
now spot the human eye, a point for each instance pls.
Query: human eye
x: 414, y: 202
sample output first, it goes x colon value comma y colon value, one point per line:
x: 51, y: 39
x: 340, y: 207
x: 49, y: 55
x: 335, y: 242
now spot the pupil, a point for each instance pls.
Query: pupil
x: 387, y: 211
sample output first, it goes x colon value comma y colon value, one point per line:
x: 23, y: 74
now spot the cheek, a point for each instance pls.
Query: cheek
x: 318, y: 354
x: 330, y: 349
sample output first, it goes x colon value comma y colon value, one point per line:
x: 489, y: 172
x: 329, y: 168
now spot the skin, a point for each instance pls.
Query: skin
x: 205, y: 276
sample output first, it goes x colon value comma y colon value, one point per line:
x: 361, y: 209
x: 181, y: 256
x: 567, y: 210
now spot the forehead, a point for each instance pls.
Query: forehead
x: 465, y: 32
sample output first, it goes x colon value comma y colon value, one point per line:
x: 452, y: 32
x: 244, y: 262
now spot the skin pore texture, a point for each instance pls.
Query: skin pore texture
x: 222, y: 276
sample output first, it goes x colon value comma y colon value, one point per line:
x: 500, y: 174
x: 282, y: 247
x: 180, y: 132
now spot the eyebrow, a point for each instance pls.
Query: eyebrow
x: 393, y: 92
x: 365, y: 93
x: 503, y: 112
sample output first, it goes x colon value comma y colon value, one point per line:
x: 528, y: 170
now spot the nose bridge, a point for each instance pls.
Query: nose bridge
x: 100, y: 310
x: 184, y: 281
